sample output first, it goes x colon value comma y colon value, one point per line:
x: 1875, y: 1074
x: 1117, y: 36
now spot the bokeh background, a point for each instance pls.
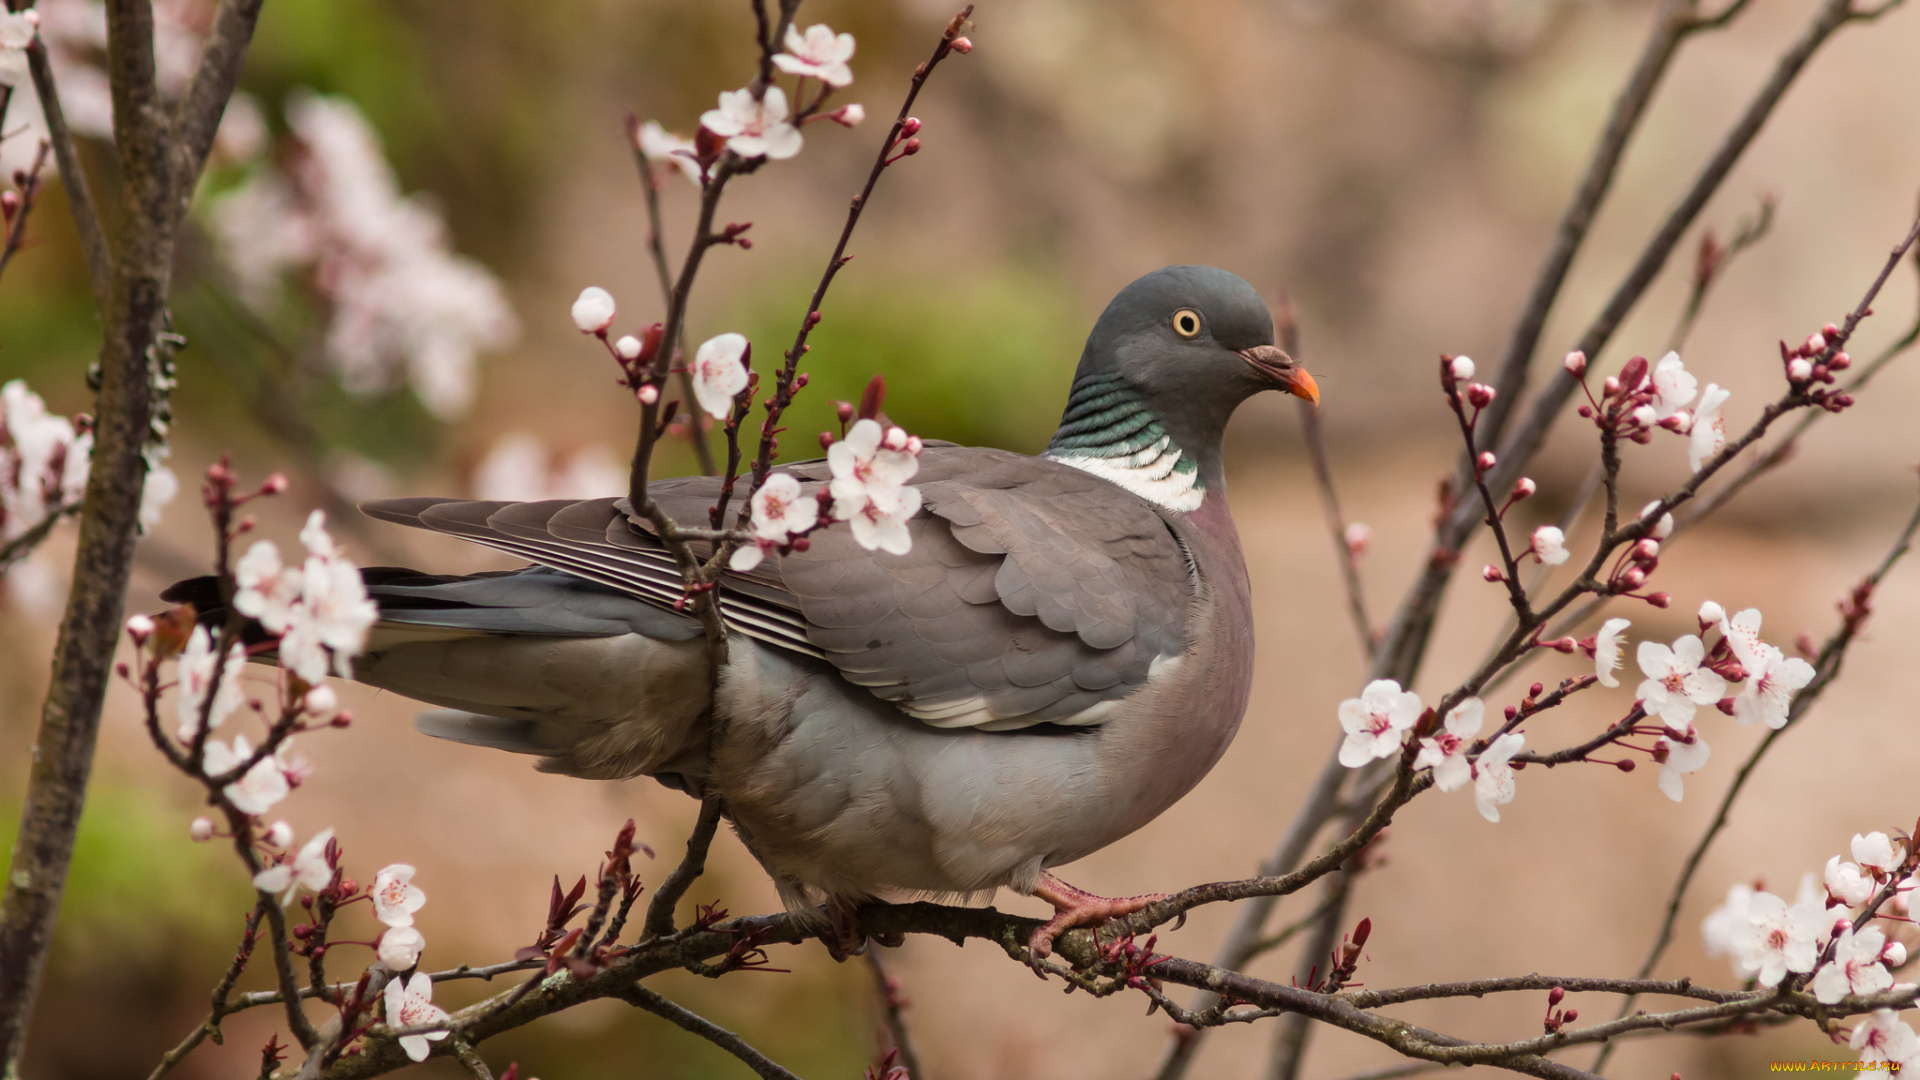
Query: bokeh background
x: 1397, y: 168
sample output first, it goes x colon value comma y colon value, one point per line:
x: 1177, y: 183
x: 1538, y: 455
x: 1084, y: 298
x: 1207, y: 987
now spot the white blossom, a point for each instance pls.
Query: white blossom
x: 1446, y: 750
x: 819, y: 52
x: 1847, y: 883
x: 1769, y: 689
x: 43, y: 462
x: 780, y: 510
x: 412, y: 1005
x: 870, y: 472
x: 16, y: 33
x: 1673, y: 386
x: 1493, y: 779
x: 1725, y: 925
x: 400, y: 947
x: 1606, y: 651
x: 395, y: 897
x: 195, y: 675
x: 308, y: 868
x: 1375, y: 720
x: 1550, y: 545
x: 1778, y: 939
x: 663, y: 147
x: 754, y: 128
x: 1662, y: 528
x: 200, y: 830
x: 719, y: 373
x: 333, y: 615
x: 1855, y: 967
x: 1742, y: 632
x: 1676, y: 685
x: 259, y: 788
x: 1708, y: 435
x: 1874, y: 852
x: 1885, y: 1038
x: 594, y: 310
x: 1686, y: 753
x: 156, y: 491
x: 266, y: 590
x: 279, y: 835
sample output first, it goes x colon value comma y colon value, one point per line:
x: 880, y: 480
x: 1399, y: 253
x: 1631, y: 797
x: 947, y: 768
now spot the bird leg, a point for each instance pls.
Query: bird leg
x: 843, y: 938
x: 1076, y: 907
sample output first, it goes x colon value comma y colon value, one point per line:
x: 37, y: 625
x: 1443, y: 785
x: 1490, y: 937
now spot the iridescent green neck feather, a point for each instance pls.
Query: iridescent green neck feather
x: 1111, y: 432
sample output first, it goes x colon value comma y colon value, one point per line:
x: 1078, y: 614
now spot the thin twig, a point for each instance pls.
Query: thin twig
x: 681, y: 877
x: 659, y: 1005
x: 893, y: 1010
x: 66, y: 155
x: 656, y: 250
x: 1314, y: 432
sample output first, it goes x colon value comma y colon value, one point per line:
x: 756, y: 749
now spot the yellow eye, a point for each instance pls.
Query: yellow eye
x: 1186, y: 323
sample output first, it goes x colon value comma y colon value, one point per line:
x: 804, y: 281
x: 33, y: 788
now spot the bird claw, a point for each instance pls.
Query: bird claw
x: 843, y: 939
x: 1074, y: 907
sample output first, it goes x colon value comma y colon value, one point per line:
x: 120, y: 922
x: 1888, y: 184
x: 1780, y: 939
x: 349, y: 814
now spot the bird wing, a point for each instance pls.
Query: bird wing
x: 1033, y: 592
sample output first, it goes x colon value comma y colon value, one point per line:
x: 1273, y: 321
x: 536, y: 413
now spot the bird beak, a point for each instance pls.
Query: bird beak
x: 1283, y: 371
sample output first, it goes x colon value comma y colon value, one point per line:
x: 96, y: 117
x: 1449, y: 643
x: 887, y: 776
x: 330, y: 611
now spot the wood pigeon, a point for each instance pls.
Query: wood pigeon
x: 1065, y: 650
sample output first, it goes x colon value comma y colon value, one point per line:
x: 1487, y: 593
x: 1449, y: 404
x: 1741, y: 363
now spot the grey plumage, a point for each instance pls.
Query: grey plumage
x: 1065, y: 650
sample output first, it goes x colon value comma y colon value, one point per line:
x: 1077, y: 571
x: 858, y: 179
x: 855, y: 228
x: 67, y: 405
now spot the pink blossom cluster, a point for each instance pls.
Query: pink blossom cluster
x: 1378, y: 720
x: 1660, y: 396
x: 1810, y: 367
x: 1827, y: 933
x: 401, y: 305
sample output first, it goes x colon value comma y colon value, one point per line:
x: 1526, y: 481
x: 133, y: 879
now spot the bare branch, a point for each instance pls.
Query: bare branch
x: 655, y: 1003
x: 660, y: 909
x: 66, y: 155
x: 197, y: 118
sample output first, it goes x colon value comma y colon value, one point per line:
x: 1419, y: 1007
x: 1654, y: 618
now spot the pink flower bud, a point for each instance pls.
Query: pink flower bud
x: 1575, y: 363
x: 628, y: 347
x: 1610, y: 387
x: 896, y: 439
x: 139, y: 628
x: 32, y: 17
x: 848, y: 115
x: 1634, y: 577
x: 201, y: 830
x: 1626, y: 765
x: 593, y: 312
x: 279, y: 834
x: 961, y: 45
x: 1816, y: 343
x: 911, y: 126
x: 1570, y: 1016
x: 1711, y: 614
x: 1830, y: 330
x: 1555, y: 996
x: 1486, y: 460
x: 1359, y: 538
x: 915, y: 445
x: 910, y: 148
x: 1493, y: 573
x: 1659, y: 599
x: 1462, y: 368
x: 9, y: 204
x: 321, y: 703
x: 1480, y: 395
x: 1524, y: 488
x: 1644, y: 415
x: 648, y: 394
x: 1799, y: 370
x: 1647, y: 549
x: 1662, y: 528
x: 1680, y: 421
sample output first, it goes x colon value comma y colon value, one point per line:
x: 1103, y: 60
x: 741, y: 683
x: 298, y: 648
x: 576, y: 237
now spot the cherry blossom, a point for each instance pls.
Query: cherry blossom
x: 1847, y: 883
x: 267, y: 590
x: 780, y: 510
x: 259, y: 788
x: 200, y: 830
x: 279, y: 834
x: 1742, y: 632
x: 593, y: 312
x: 1446, y: 750
x: 1662, y: 528
x: 412, y: 1005
x: 1778, y: 939
x: 400, y: 947
x: 309, y: 868
x: 663, y: 147
x: 43, y: 461
x: 1673, y: 386
x: 321, y: 703
x: 1676, y: 685
x: 1375, y: 720
x: 754, y: 128
x: 1462, y: 368
x: 819, y: 53
x: 719, y: 372
x: 1493, y: 781
x: 1709, y: 431
x: 1770, y: 687
x: 1550, y: 545
x: 1855, y: 967
x: 1874, y: 852
x: 195, y: 672
x: 1885, y: 1038
x: 16, y: 33
x: 333, y: 614
x: 870, y: 470
x: 395, y: 897
x: 1606, y: 651
x: 1724, y: 927
x: 1686, y: 753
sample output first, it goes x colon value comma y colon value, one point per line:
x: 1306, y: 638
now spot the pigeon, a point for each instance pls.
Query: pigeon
x: 1064, y: 651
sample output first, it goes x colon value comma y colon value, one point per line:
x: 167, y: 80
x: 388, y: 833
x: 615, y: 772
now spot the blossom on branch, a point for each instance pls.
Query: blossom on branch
x: 1847, y: 883
x: 1874, y: 852
x: 1673, y: 386
x: 870, y: 469
x: 593, y: 312
x: 1493, y: 780
x: 400, y: 947
x: 1885, y: 1038
x: 195, y: 674
x: 1446, y: 750
x: 1550, y: 545
x: 309, y: 868
x: 1686, y: 752
x: 411, y: 1005
x: 1778, y: 938
x: 819, y: 52
x: 1709, y: 432
x: 1855, y: 967
x: 1768, y: 692
x: 395, y: 897
x: 664, y: 148
x: 754, y: 128
x: 1606, y: 651
x: 1725, y: 925
x: 259, y: 788
x: 781, y: 510
x: 719, y: 372
x: 1676, y: 685
x: 16, y: 33
x: 1375, y: 720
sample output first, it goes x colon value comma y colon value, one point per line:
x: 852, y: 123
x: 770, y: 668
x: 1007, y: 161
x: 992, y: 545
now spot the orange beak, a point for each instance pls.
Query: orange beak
x: 1283, y: 371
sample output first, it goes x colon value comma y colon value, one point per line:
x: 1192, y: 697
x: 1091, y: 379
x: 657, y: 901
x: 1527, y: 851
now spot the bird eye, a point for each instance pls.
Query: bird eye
x: 1186, y: 323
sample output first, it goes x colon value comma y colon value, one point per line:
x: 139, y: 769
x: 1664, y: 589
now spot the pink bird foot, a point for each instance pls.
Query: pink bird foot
x: 1076, y: 907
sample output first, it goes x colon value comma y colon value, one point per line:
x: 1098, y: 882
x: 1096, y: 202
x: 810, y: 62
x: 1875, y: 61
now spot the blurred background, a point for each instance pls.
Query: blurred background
x: 1397, y: 168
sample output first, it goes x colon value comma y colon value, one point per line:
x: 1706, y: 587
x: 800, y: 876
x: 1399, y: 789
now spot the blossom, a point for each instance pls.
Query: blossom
x: 819, y: 52
x: 259, y: 788
x: 333, y: 614
x: 1686, y: 753
x: 1855, y: 967
x: 754, y: 128
x: 780, y: 510
x: 1885, y: 1038
x: 1724, y: 926
x: 593, y: 312
x: 1770, y: 688
x: 43, y: 461
x: 870, y: 471
x: 1662, y: 528
x: 1374, y: 721
x: 309, y: 867
x: 1606, y: 651
x: 321, y: 703
x: 663, y: 147
x: 196, y: 677
x: 1778, y: 939
x: 395, y: 897
x: 267, y: 590
x: 156, y: 491
x: 200, y: 830
x: 1847, y: 883
x: 719, y: 372
x: 1742, y: 632
x: 1461, y: 368
x: 1673, y: 386
x: 279, y: 835
x: 400, y: 946
x: 1709, y: 431
x: 1446, y: 750
x: 16, y: 33
x: 1493, y: 783
x: 1874, y: 852
x: 412, y: 1005
x: 1676, y: 684
x: 1550, y: 545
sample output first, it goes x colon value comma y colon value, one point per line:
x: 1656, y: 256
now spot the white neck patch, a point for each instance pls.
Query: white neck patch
x: 1151, y: 473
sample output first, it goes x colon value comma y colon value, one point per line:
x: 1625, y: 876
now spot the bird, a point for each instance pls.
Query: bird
x: 1063, y: 652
